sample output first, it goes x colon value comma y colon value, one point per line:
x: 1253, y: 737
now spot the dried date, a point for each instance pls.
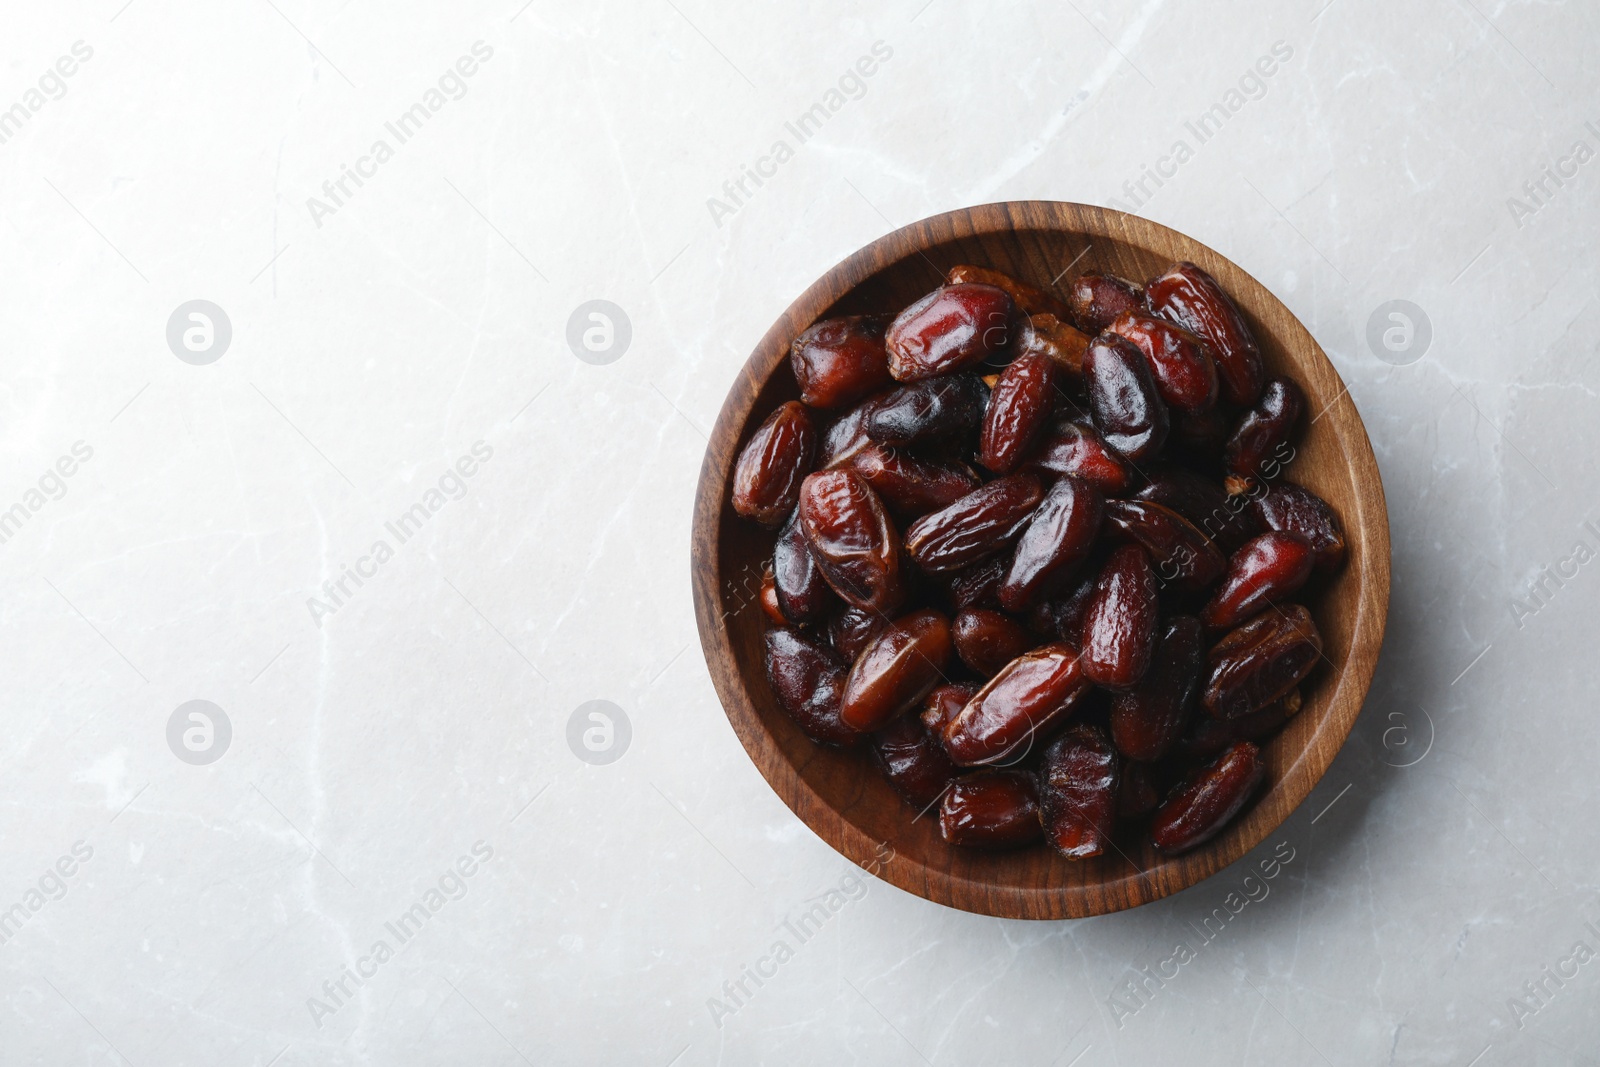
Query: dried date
x: 896, y: 670
x: 982, y: 523
x: 1031, y: 300
x: 1269, y: 568
x: 944, y: 704
x: 1029, y: 696
x: 839, y: 361
x: 909, y: 485
x: 988, y: 640
x: 1259, y: 441
x: 808, y: 680
x: 1294, y: 509
x: 1019, y: 408
x: 1097, y: 299
x: 1128, y: 411
x: 1056, y: 540
x: 933, y: 409
x: 1181, y: 363
x: 1078, y: 782
x: 1205, y: 802
x: 1075, y: 448
x: 913, y: 761
x: 1119, y: 624
x: 950, y: 329
x: 801, y: 593
x: 991, y: 809
x: 852, y: 539
x: 779, y: 455
x: 1148, y: 719
x: 1180, y: 553
x: 1261, y: 661
x: 1191, y: 298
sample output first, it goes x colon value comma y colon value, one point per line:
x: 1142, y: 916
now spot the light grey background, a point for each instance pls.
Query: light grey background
x: 378, y: 742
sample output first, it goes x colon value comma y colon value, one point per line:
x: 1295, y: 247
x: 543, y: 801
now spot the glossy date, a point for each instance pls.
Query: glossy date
x: 1097, y: 299
x: 1260, y: 440
x: 1191, y: 298
x: 839, y: 361
x: 982, y: 523
x: 1119, y: 624
x: 1078, y: 782
x: 1019, y: 407
x: 808, y: 680
x: 913, y: 761
x: 991, y: 809
x: 1261, y: 661
x: 1267, y: 569
x: 1128, y: 411
x: 988, y: 640
x: 1205, y: 802
x: 933, y: 409
x: 950, y: 329
x: 1180, y: 553
x: 896, y: 670
x: 851, y: 538
x: 1147, y: 720
x: 1029, y: 696
x: 1293, y: 509
x: 1181, y: 363
x: 766, y: 480
x: 1056, y: 540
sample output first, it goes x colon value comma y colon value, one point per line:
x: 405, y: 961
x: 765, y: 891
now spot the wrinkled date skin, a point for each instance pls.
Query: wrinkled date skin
x: 839, y: 361
x: 1078, y: 782
x: 1119, y: 625
x: 978, y: 586
x: 934, y: 409
x: 950, y: 329
x: 1208, y: 799
x: 1148, y: 719
x: 1180, y: 553
x: 1190, y: 297
x: 896, y: 670
x: 766, y: 480
x: 913, y: 761
x: 852, y: 630
x: 1260, y: 440
x: 1226, y: 520
x: 1293, y: 509
x: 1208, y: 736
x: 1181, y: 363
x: 1128, y: 411
x: 1097, y: 299
x: 1075, y: 448
x: 1057, y: 539
x: 808, y: 680
x: 1061, y: 343
x: 1030, y: 300
x: 1030, y: 695
x: 801, y: 593
x: 912, y: 486
x: 852, y: 540
x: 1266, y: 570
x: 991, y: 809
x: 1261, y: 661
x: 944, y: 704
x: 988, y: 640
x: 1018, y: 409
x: 983, y: 522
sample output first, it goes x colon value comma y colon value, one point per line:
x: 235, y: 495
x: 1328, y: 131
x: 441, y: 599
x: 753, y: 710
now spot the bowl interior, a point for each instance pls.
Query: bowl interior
x: 842, y: 795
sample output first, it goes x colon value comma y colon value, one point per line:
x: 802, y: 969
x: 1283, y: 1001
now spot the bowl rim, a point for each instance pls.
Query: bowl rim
x: 1133, y: 887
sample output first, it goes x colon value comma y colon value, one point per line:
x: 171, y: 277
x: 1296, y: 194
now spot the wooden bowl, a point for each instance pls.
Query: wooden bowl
x: 842, y: 795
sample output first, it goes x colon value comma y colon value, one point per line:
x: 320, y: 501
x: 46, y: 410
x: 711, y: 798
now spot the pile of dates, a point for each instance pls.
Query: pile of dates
x: 1039, y: 555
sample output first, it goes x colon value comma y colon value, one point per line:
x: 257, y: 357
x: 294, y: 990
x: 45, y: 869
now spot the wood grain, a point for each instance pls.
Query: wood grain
x: 842, y: 796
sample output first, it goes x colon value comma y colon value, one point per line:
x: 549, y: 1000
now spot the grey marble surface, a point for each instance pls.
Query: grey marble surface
x: 396, y: 371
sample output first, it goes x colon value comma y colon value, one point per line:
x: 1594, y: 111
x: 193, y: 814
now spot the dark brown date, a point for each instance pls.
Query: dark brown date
x: 1266, y: 570
x: 1205, y: 802
x: 1226, y: 520
x: 950, y: 329
x: 944, y: 704
x: 933, y: 409
x: 1057, y: 539
x: 988, y: 640
x: 913, y: 761
x: 982, y: 523
x: 1180, y: 553
x: 1259, y: 444
x: 1201, y: 435
x: 1293, y: 509
x: 1062, y: 343
x: 1075, y: 448
x: 896, y: 670
x: 1029, y: 696
x: 851, y: 538
x: 1190, y: 297
x: 978, y: 586
x: 852, y: 630
x: 1208, y: 736
x: 1127, y: 409
x: 991, y: 809
x: 1030, y: 300
x: 1136, y: 792
x: 766, y: 480
x: 839, y: 361
x: 1181, y: 363
x: 1019, y: 407
x: 1148, y: 719
x: 1261, y: 661
x: 1097, y: 299
x: 909, y: 485
x: 801, y: 592
x: 808, y: 680
x: 1078, y: 782
x: 1119, y: 624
